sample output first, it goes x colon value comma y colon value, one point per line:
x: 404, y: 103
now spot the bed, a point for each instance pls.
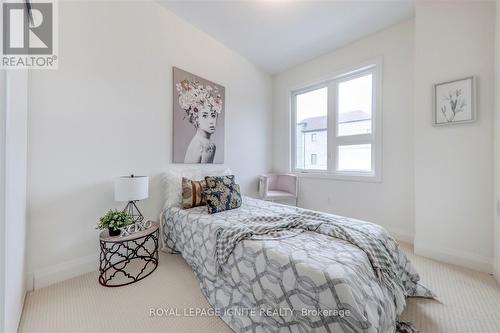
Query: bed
x: 304, y: 282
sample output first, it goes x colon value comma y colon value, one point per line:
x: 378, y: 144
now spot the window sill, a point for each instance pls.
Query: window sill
x: 339, y: 177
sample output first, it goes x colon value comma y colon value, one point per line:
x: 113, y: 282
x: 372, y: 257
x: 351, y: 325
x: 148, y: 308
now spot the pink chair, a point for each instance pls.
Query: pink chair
x: 275, y: 187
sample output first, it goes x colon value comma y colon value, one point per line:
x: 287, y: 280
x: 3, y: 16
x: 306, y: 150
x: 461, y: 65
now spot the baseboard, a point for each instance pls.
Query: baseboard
x: 60, y: 272
x: 67, y: 270
x: 455, y: 257
x: 496, y: 271
x: 400, y: 234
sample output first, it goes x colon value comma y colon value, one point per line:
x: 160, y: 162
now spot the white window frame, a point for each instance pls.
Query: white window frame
x: 333, y: 141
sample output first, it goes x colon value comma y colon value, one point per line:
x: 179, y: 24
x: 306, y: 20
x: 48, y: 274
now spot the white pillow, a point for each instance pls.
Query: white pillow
x: 172, y: 180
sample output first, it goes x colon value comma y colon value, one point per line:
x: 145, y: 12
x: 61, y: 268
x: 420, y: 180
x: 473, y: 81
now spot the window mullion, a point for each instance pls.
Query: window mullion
x: 355, y: 139
x: 332, y: 126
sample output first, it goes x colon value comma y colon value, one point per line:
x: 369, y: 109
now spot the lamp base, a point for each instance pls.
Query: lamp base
x: 134, y: 212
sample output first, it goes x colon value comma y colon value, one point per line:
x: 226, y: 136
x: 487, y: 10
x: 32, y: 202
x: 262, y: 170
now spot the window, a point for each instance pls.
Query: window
x: 354, y: 109
x: 355, y: 158
x: 311, y: 121
x: 339, y: 116
x: 314, y: 159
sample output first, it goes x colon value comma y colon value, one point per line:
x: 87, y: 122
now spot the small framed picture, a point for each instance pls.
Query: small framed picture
x: 454, y: 102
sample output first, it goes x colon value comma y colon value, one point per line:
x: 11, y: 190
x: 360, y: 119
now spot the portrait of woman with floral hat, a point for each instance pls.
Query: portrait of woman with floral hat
x: 198, y: 119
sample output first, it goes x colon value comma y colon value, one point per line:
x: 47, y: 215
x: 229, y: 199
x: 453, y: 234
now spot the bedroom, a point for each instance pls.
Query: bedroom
x: 283, y: 81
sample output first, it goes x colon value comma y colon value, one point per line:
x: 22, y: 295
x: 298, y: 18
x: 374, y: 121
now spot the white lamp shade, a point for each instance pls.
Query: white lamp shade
x: 130, y: 188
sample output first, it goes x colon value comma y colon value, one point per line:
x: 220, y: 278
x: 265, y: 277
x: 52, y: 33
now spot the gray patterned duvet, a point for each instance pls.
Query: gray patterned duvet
x: 293, y: 282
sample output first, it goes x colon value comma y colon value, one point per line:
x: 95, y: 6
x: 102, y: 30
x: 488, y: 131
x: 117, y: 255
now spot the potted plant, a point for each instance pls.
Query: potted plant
x: 113, y: 221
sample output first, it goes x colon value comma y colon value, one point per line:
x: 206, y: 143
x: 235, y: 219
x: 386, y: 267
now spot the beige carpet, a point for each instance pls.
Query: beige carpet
x: 468, y: 302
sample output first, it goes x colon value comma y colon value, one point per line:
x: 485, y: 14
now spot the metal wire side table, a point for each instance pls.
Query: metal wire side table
x: 125, y: 260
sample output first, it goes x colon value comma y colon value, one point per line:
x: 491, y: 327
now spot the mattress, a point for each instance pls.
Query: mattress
x: 307, y: 282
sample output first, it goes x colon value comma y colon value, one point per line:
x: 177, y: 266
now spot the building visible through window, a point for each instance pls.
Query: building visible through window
x: 312, y: 141
x: 314, y: 159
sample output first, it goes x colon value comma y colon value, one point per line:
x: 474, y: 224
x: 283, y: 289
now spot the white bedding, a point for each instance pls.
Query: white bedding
x: 305, y: 283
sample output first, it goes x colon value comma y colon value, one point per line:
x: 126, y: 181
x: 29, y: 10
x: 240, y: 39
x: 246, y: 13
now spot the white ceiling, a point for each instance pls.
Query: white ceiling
x: 278, y: 34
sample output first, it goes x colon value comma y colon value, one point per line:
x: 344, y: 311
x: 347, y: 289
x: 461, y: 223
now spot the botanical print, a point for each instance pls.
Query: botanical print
x: 457, y: 104
x: 454, y: 102
x: 198, y: 119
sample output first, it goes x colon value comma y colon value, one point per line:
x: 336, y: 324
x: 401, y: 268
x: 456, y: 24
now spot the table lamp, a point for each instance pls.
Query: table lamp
x: 132, y: 188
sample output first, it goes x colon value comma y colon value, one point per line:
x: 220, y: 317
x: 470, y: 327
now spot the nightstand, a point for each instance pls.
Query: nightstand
x: 128, y: 259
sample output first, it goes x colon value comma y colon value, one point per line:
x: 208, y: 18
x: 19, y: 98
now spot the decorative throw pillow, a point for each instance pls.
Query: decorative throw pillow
x: 172, y: 179
x: 193, y: 193
x: 222, y: 194
x: 215, y: 181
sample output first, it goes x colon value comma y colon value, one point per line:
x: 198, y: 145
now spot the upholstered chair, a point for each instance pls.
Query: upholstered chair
x: 278, y: 186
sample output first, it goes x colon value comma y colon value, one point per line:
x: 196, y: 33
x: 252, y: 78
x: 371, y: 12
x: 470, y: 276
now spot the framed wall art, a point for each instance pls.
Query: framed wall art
x: 454, y: 102
x: 198, y: 108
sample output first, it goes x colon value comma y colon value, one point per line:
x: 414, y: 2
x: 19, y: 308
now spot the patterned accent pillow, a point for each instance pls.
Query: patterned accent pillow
x: 222, y: 194
x: 193, y: 194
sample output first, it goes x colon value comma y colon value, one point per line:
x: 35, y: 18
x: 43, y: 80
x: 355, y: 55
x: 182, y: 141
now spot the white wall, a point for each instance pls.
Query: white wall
x: 2, y: 198
x: 15, y: 195
x: 496, y: 204
x: 453, y: 164
x: 389, y: 203
x: 107, y: 111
